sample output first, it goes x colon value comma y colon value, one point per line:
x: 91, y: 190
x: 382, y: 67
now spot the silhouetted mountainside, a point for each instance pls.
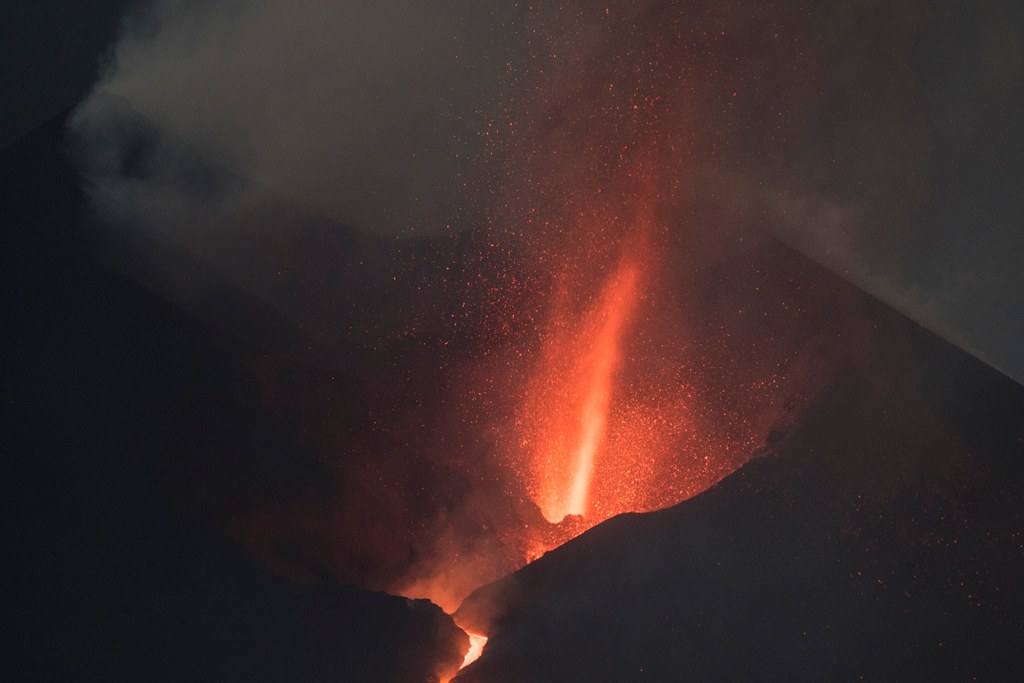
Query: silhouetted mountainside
x: 880, y: 536
x: 118, y: 409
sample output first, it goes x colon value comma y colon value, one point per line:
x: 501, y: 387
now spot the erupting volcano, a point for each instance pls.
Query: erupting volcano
x: 612, y: 377
x: 575, y: 355
x: 446, y: 292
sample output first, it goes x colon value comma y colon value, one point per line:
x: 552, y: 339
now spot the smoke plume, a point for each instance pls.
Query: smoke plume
x: 277, y: 149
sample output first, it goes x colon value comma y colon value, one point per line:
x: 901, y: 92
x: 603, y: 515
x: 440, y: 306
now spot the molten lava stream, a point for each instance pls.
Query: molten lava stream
x: 568, y: 413
x: 476, y: 648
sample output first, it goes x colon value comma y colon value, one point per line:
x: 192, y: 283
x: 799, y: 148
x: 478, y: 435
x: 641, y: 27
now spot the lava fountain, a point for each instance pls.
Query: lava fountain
x: 571, y: 394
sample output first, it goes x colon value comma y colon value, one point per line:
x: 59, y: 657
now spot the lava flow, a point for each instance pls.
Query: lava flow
x: 477, y: 642
x: 476, y: 648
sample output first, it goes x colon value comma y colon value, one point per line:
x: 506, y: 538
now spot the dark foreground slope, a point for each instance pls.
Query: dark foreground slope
x: 880, y: 536
x: 111, y: 401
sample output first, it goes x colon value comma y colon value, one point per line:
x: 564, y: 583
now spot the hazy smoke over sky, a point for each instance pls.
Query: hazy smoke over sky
x: 362, y: 112
x: 899, y: 166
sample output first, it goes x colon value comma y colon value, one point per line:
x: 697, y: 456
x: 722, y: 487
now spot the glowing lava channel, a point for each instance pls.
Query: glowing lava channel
x: 476, y: 648
x: 570, y: 414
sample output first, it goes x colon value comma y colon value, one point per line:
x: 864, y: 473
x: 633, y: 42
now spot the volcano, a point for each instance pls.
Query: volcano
x: 542, y: 346
x: 875, y: 532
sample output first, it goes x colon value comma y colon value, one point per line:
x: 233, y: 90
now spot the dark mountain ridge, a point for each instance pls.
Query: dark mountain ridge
x: 879, y: 536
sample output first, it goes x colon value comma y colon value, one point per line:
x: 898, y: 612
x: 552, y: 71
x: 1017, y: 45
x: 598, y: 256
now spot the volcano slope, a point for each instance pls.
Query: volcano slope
x: 878, y: 536
x: 111, y: 398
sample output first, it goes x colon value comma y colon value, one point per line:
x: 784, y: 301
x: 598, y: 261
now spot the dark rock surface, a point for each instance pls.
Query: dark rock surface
x: 880, y: 536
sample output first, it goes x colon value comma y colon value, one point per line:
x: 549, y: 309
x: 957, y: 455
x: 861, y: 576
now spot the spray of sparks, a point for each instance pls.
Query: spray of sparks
x: 603, y: 387
x: 604, y: 374
x: 601, y: 362
x: 570, y: 396
x: 593, y: 162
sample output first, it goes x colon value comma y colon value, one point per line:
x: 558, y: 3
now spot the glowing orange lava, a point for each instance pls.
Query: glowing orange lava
x: 571, y: 395
x: 477, y: 641
x: 476, y: 648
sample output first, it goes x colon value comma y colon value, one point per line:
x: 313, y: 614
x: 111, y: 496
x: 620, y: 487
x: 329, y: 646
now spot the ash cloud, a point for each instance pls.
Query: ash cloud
x: 360, y: 112
x: 893, y: 156
x: 267, y: 151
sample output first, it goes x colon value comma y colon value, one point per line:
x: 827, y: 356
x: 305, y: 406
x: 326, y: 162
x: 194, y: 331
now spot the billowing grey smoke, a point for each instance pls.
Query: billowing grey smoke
x: 361, y: 112
x: 903, y: 175
x: 223, y: 134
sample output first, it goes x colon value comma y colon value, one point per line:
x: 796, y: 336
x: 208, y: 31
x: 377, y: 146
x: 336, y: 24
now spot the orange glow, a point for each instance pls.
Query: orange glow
x: 611, y: 373
x: 476, y: 648
x: 603, y: 340
x: 572, y: 393
x: 477, y: 641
